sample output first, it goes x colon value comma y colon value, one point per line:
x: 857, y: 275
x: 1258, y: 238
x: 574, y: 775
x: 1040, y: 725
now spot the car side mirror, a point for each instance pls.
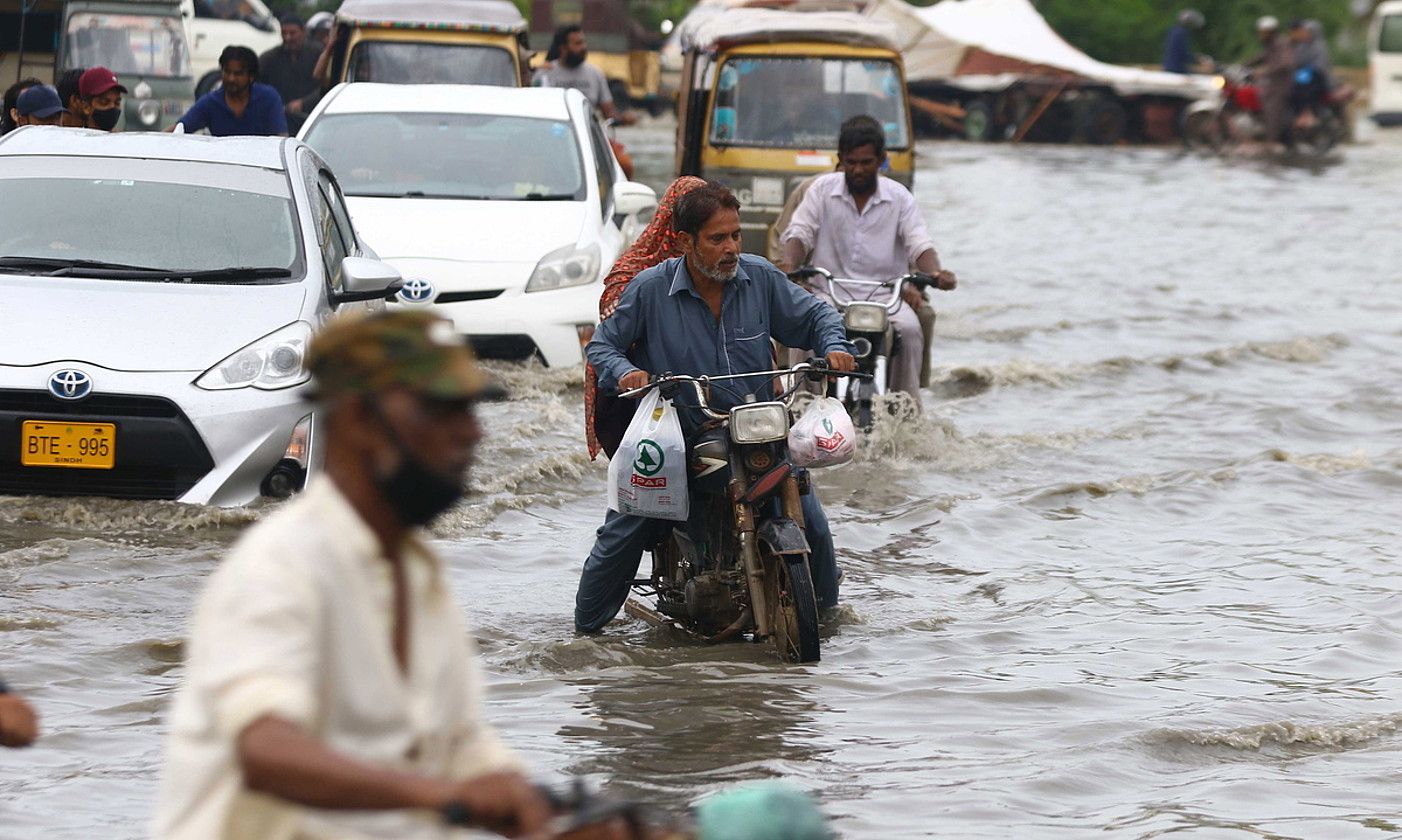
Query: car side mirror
x: 365, y: 279
x: 633, y: 199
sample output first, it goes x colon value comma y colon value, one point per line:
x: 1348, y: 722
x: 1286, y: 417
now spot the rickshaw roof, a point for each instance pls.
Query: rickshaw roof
x: 471, y: 15
x: 771, y: 26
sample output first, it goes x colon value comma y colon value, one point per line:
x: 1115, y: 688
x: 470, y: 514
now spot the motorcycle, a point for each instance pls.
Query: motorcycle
x: 740, y: 564
x: 1234, y: 116
x: 866, y: 307
x: 581, y: 814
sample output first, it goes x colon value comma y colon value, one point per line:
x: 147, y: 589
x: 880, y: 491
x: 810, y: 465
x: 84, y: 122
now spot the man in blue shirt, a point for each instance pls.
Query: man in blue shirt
x: 1178, y: 55
x: 241, y: 105
x: 710, y: 312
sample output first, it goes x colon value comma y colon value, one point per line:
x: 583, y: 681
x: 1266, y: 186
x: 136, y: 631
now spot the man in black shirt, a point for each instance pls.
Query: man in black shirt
x: 289, y: 70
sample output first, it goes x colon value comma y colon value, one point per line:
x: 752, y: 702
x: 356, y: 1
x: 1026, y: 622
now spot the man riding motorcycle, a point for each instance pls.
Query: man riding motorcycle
x: 709, y: 312
x: 861, y: 226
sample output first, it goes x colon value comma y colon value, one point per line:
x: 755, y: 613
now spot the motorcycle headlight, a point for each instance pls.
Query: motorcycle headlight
x: 149, y: 112
x: 272, y: 362
x: 565, y: 267
x: 864, y: 317
x: 759, y: 422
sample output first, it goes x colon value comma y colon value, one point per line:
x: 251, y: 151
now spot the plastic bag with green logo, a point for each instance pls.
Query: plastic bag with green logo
x: 647, y: 475
x: 823, y: 436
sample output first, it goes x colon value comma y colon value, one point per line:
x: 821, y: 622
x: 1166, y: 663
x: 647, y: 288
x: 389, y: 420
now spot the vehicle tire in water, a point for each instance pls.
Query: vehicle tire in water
x: 1320, y: 138
x: 793, y: 607
x: 1202, y: 131
x: 979, y: 123
x: 1104, y: 122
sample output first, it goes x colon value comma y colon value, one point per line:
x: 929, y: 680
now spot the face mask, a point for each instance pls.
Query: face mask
x: 106, y: 118
x: 416, y: 493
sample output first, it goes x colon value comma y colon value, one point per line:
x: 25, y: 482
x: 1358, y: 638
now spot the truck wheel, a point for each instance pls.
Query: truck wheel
x: 621, y: 100
x: 979, y: 121
x: 1104, y: 122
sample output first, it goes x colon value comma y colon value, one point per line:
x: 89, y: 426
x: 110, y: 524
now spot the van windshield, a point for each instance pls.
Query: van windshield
x: 131, y: 45
x: 1390, y: 34
x: 802, y: 102
x: 461, y: 156
x: 404, y: 63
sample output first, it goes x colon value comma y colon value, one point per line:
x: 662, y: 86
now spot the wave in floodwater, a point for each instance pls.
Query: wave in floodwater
x: 118, y: 517
x: 1314, y: 736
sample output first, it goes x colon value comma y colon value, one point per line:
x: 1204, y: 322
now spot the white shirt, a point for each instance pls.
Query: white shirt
x: 880, y: 242
x: 298, y: 623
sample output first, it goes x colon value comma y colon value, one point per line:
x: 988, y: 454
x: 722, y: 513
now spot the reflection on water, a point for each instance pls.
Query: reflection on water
x: 1133, y: 572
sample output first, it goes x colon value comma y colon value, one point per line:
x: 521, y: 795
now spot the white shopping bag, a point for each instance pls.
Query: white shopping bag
x: 823, y: 436
x: 647, y: 475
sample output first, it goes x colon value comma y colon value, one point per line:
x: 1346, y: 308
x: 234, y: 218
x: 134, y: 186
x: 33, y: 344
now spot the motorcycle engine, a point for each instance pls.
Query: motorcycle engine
x: 709, y: 604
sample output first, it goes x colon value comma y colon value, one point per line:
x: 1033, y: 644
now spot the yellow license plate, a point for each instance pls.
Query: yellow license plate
x: 84, y: 446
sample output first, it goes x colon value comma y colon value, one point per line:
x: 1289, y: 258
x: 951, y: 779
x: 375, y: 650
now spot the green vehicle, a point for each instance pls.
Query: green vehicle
x: 143, y: 42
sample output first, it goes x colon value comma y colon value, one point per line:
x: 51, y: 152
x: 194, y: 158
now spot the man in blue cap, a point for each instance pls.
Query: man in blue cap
x: 39, y: 105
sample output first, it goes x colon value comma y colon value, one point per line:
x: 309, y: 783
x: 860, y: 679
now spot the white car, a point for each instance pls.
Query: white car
x: 159, y: 292
x: 503, y: 207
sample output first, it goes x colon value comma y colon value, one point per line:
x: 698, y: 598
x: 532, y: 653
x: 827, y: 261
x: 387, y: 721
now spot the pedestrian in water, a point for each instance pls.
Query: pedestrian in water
x: 241, y: 105
x: 1178, y: 55
x: 100, y: 99
x: 19, y: 725
x: 331, y: 689
x: 8, y: 118
x: 289, y: 69
x: 606, y: 417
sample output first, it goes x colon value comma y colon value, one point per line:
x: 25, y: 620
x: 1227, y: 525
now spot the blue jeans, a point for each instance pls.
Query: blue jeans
x: 622, y: 539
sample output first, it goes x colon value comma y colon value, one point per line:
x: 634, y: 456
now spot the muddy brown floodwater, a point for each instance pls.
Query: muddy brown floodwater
x: 1134, y: 573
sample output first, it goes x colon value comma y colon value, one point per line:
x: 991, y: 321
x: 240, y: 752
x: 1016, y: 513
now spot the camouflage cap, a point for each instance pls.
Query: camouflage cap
x: 367, y: 353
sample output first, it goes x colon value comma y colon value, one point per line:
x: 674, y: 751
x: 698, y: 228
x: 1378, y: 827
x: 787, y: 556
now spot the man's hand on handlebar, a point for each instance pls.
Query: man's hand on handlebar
x: 633, y: 379
x: 505, y: 803
x: 945, y: 280
x: 842, y: 361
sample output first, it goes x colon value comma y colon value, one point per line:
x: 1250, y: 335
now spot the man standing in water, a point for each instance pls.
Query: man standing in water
x: 861, y: 226
x: 330, y: 687
x: 711, y: 312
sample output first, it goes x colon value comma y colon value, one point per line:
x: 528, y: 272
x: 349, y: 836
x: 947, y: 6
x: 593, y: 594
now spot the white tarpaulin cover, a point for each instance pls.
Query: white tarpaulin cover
x: 1014, y: 29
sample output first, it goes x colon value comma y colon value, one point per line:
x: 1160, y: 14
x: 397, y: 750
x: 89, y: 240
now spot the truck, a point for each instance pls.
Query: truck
x: 618, y: 45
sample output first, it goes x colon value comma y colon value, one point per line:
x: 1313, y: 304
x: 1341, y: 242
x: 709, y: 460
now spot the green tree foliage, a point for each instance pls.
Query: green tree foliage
x: 1132, y: 31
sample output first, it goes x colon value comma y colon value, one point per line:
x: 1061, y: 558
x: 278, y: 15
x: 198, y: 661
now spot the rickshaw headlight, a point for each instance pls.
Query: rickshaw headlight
x: 865, y: 317
x: 759, y: 422
x: 149, y: 112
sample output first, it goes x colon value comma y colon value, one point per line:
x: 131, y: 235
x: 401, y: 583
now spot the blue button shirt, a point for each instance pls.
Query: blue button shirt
x: 675, y: 332
x: 263, y: 116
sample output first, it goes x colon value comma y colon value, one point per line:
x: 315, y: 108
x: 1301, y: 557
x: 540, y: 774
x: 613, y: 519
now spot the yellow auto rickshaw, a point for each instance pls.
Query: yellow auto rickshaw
x: 478, y: 42
x: 764, y: 92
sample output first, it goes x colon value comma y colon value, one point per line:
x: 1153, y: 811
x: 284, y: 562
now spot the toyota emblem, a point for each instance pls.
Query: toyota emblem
x: 416, y: 290
x: 70, y: 384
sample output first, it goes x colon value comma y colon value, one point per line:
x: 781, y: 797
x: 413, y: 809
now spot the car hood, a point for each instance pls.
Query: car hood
x: 136, y: 326
x: 471, y: 231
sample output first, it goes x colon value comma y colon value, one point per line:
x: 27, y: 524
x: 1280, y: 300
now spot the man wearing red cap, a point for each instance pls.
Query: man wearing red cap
x: 100, y: 98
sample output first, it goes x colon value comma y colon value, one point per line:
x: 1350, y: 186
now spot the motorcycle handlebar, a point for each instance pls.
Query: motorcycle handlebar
x: 815, y: 367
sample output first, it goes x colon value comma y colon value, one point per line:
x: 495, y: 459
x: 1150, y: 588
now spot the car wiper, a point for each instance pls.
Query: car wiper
x: 535, y: 196
x: 56, y: 267
x: 240, y: 274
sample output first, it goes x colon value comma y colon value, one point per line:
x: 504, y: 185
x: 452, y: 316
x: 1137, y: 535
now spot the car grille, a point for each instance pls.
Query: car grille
x: 459, y: 297
x: 159, y: 453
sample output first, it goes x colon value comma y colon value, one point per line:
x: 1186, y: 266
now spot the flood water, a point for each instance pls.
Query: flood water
x: 1134, y: 572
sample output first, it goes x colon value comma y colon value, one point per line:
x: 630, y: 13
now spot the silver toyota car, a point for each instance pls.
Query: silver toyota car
x: 157, y: 294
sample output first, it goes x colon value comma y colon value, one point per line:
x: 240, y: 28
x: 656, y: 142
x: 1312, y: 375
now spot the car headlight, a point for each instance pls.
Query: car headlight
x: 865, y: 317
x: 272, y: 362
x: 759, y: 422
x: 149, y: 112
x: 564, y: 267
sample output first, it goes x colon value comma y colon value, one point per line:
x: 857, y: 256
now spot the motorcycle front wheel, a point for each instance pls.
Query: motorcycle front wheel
x: 793, y: 607
x: 1202, y: 131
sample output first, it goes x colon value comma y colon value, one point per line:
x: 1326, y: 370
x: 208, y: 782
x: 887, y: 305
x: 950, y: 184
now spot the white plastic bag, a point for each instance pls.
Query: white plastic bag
x: 824, y: 436
x: 647, y: 475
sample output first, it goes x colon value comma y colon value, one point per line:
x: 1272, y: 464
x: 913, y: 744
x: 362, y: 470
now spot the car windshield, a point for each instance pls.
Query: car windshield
x: 404, y: 63
x: 190, y: 218
x: 463, y: 156
x: 1390, y: 34
x: 801, y: 103
x: 131, y: 45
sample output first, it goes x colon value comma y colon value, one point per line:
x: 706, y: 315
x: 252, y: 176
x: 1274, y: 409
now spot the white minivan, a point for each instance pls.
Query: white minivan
x: 216, y: 24
x: 1385, y: 63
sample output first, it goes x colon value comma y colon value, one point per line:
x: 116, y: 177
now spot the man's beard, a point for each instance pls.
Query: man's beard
x: 718, y: 274
x: 574, y: 60
x: 860, y: 185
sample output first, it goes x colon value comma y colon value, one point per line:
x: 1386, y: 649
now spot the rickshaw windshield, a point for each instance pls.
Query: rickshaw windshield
x: 131, y: 45
x: 800, y: 103
x: 407, y: 63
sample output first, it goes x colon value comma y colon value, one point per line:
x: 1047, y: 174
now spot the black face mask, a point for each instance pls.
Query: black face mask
x: 106, y: 118
x: 415, y: 492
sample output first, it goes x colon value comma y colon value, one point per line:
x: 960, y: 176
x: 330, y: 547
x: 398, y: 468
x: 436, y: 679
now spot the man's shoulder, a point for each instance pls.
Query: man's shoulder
x: 265, y: 92
x: 895, y: 191
x: 759, y: 268
x: 825, y: 182
x: 657, y: 278
x: 595, y: 72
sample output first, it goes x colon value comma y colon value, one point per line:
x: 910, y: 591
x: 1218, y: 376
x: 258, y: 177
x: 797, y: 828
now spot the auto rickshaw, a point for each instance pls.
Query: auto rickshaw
x: 764, y: 93
x: 479, y: 42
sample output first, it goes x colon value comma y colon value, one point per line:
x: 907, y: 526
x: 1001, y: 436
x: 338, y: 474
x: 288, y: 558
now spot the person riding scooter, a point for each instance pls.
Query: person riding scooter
x: 860, y: 225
